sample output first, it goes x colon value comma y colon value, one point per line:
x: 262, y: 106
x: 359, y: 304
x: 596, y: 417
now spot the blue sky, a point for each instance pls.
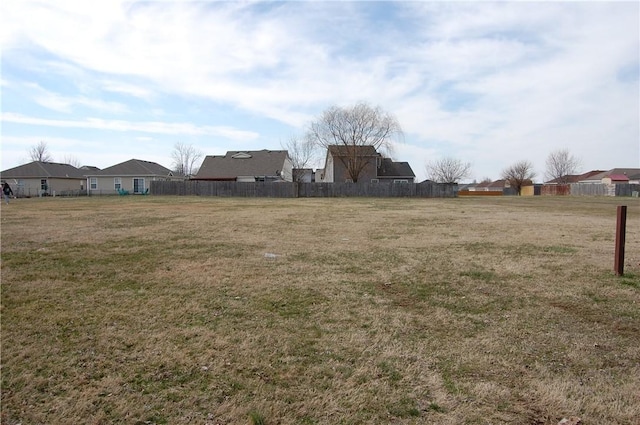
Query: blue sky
x: 487, y: 83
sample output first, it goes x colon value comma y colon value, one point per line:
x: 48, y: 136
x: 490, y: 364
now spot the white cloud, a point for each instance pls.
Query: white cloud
x: 66, y: 104
x: 144, y: 127
x: 489, y: 82
x: 127, y: 88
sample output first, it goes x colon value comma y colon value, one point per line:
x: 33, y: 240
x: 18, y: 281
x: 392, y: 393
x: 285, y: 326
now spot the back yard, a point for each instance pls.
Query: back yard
x: 154, y: 310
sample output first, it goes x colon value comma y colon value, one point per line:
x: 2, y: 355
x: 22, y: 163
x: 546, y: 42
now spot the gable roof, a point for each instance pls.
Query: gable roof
x: 616, y: 171
x: 242, y: 163
x: 626, y: 172
x: 344, y: 150
x: 390, y: 168
x: 133, y: 167
x: 574, y: 178
x: 618, y: 177
x: 40, y: 169
x: 498, y: 184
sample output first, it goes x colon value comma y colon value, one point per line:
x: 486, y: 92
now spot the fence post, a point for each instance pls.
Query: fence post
x: 621, y: 225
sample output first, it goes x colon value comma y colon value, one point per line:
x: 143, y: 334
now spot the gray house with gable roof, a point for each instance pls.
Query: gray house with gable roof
x: 247, y: 166
x: 40, y: 178
x: 133, y: 176
x: 370, y: 165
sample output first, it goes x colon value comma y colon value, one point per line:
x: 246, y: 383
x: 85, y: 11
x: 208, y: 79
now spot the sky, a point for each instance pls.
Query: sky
x: 489, y: 83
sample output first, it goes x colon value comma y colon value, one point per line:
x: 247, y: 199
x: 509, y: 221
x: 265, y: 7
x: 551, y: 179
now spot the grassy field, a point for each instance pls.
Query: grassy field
x: 150, y: 310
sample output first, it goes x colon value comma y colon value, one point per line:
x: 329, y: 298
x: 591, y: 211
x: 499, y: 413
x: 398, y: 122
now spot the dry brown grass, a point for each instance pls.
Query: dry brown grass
x: 144, y: 310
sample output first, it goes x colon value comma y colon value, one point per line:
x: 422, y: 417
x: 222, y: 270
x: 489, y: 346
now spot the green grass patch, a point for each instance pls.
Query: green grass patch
x: 630, y: 279
x: 482, y: 275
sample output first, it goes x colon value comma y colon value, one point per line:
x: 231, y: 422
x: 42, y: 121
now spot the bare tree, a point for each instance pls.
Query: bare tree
x: 185, y: 158
x: 518, y: 174
x: 560, y: 165
x: 352, y: 128
x: 72, y: 160
x: 302, y: 152
x: 40, y: 152
x: 448, y: 170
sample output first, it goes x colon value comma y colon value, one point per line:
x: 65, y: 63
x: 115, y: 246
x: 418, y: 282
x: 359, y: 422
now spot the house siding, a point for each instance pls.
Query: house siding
x: 32, y: 186
x: 368, y: 173
x: 106, y: 185
x: 328, y: 170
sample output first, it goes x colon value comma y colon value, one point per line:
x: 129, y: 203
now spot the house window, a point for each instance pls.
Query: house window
x: 93, y: 183
x: 43, y: 184
x: 117, y: 183
x: 401, y: 181
x: 348, y: 180
x: 138, y: 185
x: 375, y: 181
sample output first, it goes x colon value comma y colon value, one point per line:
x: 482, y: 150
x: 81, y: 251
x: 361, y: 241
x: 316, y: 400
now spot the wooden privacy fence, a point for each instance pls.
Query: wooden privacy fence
x: 582, y: 189
x: 557, y: 189
x: 303, y: 190
x: 480, y: 193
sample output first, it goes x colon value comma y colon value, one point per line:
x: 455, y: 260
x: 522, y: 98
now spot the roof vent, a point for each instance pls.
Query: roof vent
x: 241, y: 155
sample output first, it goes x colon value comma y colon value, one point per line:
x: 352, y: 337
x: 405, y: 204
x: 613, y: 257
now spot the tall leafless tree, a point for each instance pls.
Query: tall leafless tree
x: 185, y: 157
x: 40, y: 152
x: 302, y: 152
x: 560, y: 165
x: 72, y: 160
x: 518, y: 174
x: 448, y: 170
x: 351, y: 128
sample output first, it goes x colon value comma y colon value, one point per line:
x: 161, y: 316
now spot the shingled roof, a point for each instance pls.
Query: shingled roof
x: 389, y: 168
x: 41, y: 169
x: 616, y: 171
x: 574, y: 178
x: 242, y: 163
x: 133, y: 167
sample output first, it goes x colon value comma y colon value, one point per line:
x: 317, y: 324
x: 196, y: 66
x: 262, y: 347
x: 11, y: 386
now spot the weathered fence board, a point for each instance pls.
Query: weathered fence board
x: 556, y: 189
x: 480, y: 193
x: 303, y: 190
x: 581, y: 189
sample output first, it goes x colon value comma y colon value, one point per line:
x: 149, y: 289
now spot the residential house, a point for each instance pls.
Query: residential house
x: 614, y: 176
x: 562, y: 185
x: 634, y: 178
x: 40, y: 178
x: 368, y: 164
x: 396, y: 172
x: 364, y: 158
x: 493, y: 186
x: 573, y: 178
x: 247, y: 166
x: 304, y: 175
x: 133, y: 176
x: 483, y: 186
